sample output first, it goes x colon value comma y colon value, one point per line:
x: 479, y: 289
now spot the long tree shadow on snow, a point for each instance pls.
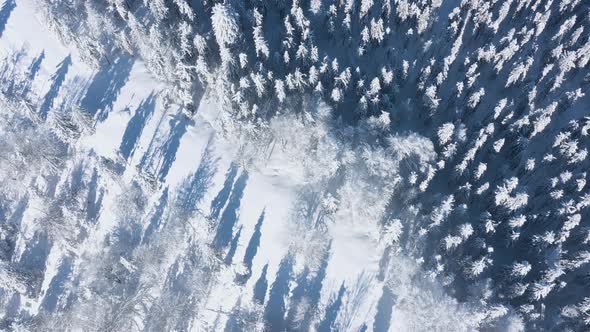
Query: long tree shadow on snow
x: 260, y: 287
x: 57, y: 286
x: 106, y: 86
x: 94, y: 198
x: 189, y: 194
x: 219, y: 201
x: 384, y: 311
x: 58, y: 79
x: 5, y: 12
x: 274, y: 312
x: 36, y: 66
x: 136, y: 125
x: 193, y: 189
x: 32, y: 263
x: 328, y: 322
x: 179, y: 126
x: 180, y: 287
x: 252, y: 248
x: 156, y: 217
x: 159, y: 157
x: 308, y: 290
x: 33, y: 71
x: 229, y: 217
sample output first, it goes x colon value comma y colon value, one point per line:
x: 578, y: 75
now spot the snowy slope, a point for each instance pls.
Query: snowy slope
x: 162, y: 172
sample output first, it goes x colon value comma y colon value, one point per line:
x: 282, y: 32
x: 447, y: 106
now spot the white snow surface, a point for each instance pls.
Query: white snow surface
x: 349, y: 250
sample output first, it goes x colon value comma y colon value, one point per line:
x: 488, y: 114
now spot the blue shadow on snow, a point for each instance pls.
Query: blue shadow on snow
x: 106, y: 85
x: 5, y: 12
x: 58, y: 79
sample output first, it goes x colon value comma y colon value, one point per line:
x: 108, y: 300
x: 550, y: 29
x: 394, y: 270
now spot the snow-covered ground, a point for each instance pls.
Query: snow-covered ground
x: 124, y: 206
